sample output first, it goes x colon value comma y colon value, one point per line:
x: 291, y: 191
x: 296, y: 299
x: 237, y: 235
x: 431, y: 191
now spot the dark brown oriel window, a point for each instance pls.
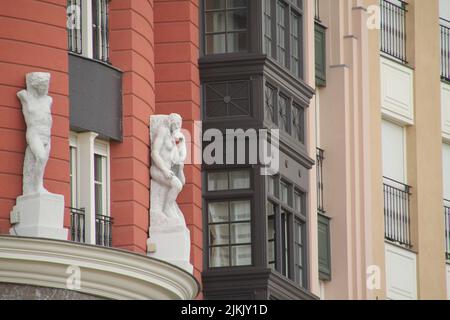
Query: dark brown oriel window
x: 225, y: 26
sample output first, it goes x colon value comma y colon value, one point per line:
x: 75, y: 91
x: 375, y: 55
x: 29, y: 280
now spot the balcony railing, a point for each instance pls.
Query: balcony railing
x: 103, y: 230
x: 396, y: 212
x: 319, y: 162
x: 74, y: 23
x: 447, y: 228
x: 393, y: 28
x: 445, y: 49
x: 100, y: 29
x: 77, y: 224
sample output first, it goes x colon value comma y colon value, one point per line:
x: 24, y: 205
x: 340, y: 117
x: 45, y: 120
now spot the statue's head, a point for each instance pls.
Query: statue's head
x: 175, y: 122
x: 39, y: 81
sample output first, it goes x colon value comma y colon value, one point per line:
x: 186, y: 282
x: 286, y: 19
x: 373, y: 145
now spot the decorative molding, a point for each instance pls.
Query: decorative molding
x: 401, y: 273
x: 105, y: 272
x: 397, y: 92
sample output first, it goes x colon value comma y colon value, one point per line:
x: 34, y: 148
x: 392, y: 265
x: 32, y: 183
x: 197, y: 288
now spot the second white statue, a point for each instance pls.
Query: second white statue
x: 169, y: 237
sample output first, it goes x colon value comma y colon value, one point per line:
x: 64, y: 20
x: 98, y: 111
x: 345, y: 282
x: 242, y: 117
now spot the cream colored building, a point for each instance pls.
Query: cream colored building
x: 383, y: 121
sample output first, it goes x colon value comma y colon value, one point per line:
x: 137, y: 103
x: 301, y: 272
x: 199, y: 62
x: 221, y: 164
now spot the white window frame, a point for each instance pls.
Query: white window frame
x: 75, y: 168
x: 87, y: 146
x: 102, y: 149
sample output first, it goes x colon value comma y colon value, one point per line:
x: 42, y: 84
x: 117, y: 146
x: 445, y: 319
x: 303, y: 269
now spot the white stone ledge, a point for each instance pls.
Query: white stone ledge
x: 105, y: 272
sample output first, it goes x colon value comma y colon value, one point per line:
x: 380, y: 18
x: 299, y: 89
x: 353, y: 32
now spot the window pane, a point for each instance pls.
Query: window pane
x: 98, y: 168
x: 271, y: 185
x: 217, y: 181
x: 99, y: 199
x: 219, y: 234
x: 241, y: 233
x: 285, y: 244
x: 215, y: 43
x: 237, y: 42
x: 218, y: 212
x: 219, y: 257
x: 295, y: 43
x: 269, y: 110
x: 215, y: 22
x: 240, y: 179
x: 297, y: 121
x: 236, y: 4
x: 240, y: 211
x: 236, y: 20
x: 268, y: 27
x: 241, y: 256
x: 271, y: 235
x: 215, y: 4
x: 282, y: 111
x: 297, y: 201
x: 284, y: 192
x: 281, y: 33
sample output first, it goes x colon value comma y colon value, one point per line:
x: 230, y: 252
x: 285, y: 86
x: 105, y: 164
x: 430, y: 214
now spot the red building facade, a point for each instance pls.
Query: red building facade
x: 153, y: 47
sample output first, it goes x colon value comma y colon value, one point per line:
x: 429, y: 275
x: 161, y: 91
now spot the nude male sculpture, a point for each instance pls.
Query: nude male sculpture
x: 36, y: 108
x: 168, y: 156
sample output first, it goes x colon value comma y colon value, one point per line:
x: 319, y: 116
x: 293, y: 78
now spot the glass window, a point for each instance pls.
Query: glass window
x: 73, y: 177
x: 229, y: 233
x: 299, y: 252
x: 298, y: 122
x: 96, y: 46
x: 281, y: 32
x: 228, y: 180
x: 99, y: 184
x: 271, y: 234
x: 283, y: 103
x: 286, y: 225
x: 225, y: 26
x: 268, y: 27
x: 270, y: 96
x: 295, y: 43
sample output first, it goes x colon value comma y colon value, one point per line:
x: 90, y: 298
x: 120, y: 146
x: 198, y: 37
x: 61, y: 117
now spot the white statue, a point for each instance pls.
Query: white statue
x: 37, y: 212
x: 169, y: 238
x: 36, y: 108
x: 168, y: 156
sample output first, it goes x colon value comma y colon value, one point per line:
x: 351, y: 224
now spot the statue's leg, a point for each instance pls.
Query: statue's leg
x: 28, y: 172
x: 172, y: 194
x: 41, y: 153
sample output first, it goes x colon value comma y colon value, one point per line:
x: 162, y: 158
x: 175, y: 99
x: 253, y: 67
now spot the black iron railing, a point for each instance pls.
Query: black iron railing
x: 445, y: 49
x: 103, y: 230
x: 319, y: 162
x: 397, y: 212
x: 74, y: 22
x: 77, y: 224
x: 447, y: 228
x: 393, y: 28
x: 100, y: 29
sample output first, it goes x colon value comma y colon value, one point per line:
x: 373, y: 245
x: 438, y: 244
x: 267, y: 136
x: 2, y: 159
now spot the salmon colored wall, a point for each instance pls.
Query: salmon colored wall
x: 132, y: 50
x: 33, y: 37
x: 178, y: 90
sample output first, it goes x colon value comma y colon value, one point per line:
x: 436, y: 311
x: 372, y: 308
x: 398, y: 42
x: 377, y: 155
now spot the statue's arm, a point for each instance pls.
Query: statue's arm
x: 157, y: 160
x: 182, y: 158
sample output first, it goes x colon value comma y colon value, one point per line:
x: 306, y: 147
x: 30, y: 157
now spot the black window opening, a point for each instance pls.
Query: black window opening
x: 286, y: 230
x: 284, y: 112
x: 283, y: 33
x: 74, y: 23
x: 100, y: 34
x: 229, y: 219
x: 226, y: 24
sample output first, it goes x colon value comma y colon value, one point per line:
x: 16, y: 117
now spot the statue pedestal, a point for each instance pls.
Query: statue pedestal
x: 39, y: 215
x: 171, y: 244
